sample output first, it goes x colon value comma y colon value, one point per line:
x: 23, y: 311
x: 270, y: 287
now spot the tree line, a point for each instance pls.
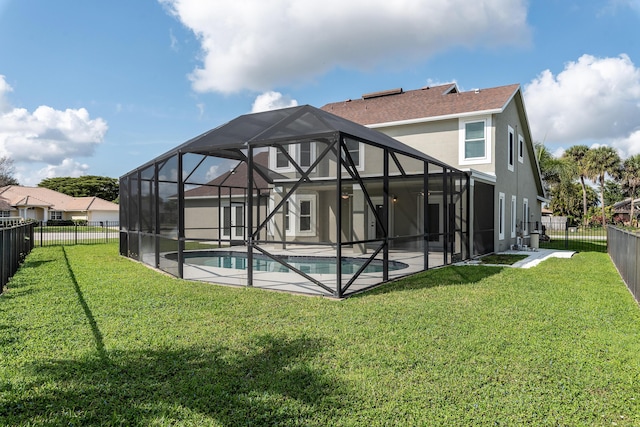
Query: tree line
x: 566, y: 180
x: 83, y: 186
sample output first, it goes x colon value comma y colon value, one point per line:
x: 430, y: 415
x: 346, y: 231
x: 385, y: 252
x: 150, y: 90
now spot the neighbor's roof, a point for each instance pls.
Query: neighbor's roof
x: 429, y: 102
x: 233, y: 181
x: 24, y: 197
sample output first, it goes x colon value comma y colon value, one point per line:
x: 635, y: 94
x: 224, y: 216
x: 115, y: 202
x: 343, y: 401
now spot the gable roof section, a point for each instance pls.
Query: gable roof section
x: 428, y: 103
x: 19, y: 196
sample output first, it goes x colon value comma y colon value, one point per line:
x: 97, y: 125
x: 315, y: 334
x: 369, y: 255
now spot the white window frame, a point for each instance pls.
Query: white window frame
x: 312, y: 154
x: 501, y: 216
x: 360, y: 165
x: 462, y: 122
x: 294, y: 221
x: 287, y: 216
x: 5, y: 214
x: 295, y: 153
x: 511, y: 148
x: 525, y: 215
x: 55, y: 215
x: 520, y: 148
x: 514, y: 214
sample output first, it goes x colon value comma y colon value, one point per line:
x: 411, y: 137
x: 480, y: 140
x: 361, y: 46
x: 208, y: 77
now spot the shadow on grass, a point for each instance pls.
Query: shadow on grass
x: 444, y: 276
x: 270, y: 381
x: 97, y: 335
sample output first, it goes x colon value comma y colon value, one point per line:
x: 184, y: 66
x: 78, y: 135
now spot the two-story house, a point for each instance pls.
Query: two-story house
x: 485, y: 132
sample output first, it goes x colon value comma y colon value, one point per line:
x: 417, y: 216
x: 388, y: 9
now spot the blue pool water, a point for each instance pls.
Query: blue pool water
x: 308, y: 265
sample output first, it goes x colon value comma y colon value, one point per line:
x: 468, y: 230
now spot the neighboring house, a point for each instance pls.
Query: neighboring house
x: 622, y: 210
x: 485, y: 132
x: 202, y: 214
x: 43, y: 204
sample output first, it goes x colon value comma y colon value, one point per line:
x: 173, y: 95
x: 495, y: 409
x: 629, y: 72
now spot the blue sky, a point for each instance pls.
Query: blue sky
x: 101, y: 87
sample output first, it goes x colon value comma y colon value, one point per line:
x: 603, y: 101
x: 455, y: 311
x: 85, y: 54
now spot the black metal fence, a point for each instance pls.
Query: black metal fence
x: 624, y: 250
x: 16, y: 242
x: 576, y: 238
x: 77, y: 233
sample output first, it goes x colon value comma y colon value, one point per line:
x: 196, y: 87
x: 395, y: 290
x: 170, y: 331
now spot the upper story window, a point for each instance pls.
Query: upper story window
x: 281, y: 159
x: 356, y: 152
x: 304, y: 154
x: 520, y: 149
x: 511, y: 149
x: 475, y: 140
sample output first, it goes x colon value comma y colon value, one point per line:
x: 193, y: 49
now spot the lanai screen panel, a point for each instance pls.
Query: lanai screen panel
x: 276, y: 191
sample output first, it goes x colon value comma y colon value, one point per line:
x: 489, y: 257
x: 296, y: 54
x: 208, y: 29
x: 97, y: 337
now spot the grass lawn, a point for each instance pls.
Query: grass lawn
x: 90, y: 338
x: 504, y: 259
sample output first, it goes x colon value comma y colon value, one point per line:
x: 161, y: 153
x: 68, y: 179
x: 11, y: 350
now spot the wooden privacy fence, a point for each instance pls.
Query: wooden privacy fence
x: 624, y: 250
x: 15, y: 243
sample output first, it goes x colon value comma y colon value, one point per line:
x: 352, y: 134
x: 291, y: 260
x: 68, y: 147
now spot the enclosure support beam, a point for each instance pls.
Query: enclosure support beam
x: 385, y: 215
x: 249, y: 227
x: 338, y: 291
x: 180, y: 218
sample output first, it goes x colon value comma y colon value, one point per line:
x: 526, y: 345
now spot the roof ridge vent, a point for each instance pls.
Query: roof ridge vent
x: 396, y: 91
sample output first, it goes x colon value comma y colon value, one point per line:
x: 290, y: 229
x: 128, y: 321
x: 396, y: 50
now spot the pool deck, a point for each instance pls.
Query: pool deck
x: 297, y: 284
x: 294, y: 283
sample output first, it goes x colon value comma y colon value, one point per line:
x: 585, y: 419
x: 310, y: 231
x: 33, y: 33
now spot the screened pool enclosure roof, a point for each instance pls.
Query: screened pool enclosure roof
x: 296, y: 200
x: 289, y: 124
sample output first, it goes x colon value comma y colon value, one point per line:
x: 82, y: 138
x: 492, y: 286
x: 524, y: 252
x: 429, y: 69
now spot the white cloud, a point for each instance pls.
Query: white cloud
x: 593, y: 100
x: 4, y: 90
x: 47, y: 135
x: 272, y: 101
x: 257, y: 44
x: 27, y: 175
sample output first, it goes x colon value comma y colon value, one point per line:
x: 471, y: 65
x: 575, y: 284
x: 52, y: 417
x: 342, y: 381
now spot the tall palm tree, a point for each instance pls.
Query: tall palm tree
x: 630, y: 175
x: 576, y: 160
x: 600, y: 162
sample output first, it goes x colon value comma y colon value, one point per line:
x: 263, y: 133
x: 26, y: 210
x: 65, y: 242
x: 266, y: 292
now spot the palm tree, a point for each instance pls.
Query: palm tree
x: 600, y: 162
x: 630, y: 175
x: 551, y: 168
x: 576, y: 160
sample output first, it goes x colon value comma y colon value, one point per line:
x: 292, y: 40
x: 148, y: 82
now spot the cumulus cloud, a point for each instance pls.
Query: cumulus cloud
x: 47, y: 135
x: 272, y: 101
x: 257, y: 44
x: 593, y: 100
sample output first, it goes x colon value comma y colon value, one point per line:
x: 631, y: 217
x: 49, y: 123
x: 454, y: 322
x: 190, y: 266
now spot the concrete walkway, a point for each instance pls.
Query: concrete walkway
x: 534, y: 257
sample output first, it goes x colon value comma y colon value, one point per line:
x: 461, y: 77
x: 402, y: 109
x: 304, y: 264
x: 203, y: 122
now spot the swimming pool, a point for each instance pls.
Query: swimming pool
x: 306, y: 264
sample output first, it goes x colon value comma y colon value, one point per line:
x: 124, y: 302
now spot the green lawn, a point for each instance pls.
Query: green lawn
x: 90, y: 338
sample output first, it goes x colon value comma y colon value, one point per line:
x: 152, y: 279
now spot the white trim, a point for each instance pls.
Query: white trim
x: 511, y: 148
x: 462, y: 160
x: 436, y: 118
x: 525, y: 216
x: 521, y: 148
x: 514, y: 215
x: 294, y: 212
x: 481, y: 176
x: 501, y: 216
